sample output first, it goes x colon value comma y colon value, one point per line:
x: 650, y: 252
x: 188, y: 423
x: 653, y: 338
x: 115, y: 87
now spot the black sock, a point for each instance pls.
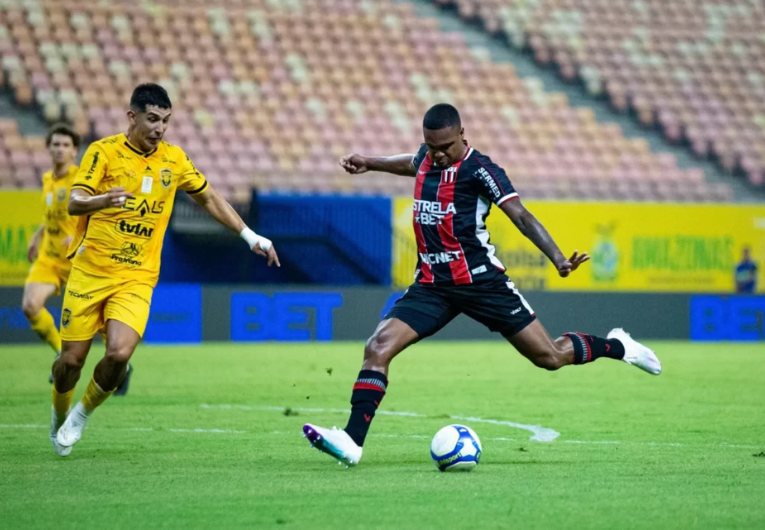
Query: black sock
x: 367, y: 395
x: 588, y: 348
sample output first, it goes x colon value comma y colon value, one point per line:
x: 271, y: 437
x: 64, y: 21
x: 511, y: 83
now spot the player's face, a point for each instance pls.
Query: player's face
x: 445, y: 146
x: 61, y: 149
x: 148, y: 128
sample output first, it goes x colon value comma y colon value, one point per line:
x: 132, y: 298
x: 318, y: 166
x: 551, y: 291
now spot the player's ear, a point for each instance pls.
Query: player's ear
x: 462, y: 132
x: 131, y: 117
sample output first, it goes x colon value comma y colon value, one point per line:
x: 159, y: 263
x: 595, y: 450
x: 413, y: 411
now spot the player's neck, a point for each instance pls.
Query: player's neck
x: 465, y: 148
x: 60, y: 170
x: 135, y: 143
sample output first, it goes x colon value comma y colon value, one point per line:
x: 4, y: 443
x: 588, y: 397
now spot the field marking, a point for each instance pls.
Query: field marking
x: 375, y: 435
x: 539, y: 433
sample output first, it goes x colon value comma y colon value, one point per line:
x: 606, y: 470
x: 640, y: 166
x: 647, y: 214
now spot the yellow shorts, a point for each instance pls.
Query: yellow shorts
x: 47, y: 270
x: 92, y: 300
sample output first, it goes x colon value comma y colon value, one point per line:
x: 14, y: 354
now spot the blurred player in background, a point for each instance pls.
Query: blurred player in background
x: 124, y: 194
x: 48, y: 246
x: 458, y: 272
x: 746, y: 273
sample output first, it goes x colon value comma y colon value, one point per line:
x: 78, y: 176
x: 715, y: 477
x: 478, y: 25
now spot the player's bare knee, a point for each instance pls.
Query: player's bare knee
x: 70, y: 361
x: 119, y: 353
x: 30, y: 307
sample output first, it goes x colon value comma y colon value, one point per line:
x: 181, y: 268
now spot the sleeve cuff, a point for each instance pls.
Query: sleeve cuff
x: 84, y: 187
x: 200, y: 189
x: 506, y: 198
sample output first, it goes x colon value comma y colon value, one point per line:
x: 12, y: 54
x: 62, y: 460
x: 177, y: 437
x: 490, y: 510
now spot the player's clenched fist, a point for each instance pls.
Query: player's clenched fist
x: 354, y: 164
x: 116, y: 197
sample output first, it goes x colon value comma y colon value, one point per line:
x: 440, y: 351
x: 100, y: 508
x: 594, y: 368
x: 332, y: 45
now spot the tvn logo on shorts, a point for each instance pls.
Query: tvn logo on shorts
x: 127, y: 254
x: 143, y: 229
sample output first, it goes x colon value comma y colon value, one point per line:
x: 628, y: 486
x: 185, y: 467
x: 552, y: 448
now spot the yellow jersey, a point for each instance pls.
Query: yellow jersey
x: 125, y: 243
x: 58, y: 224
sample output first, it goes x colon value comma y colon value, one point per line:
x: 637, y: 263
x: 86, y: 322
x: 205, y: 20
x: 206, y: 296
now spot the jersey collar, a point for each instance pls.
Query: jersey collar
x: 138, y: 151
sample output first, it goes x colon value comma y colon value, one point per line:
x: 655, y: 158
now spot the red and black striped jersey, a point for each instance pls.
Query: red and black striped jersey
x: 450, y: 210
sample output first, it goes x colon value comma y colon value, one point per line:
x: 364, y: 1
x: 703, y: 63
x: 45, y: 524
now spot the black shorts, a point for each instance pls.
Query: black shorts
x: 497, y: 305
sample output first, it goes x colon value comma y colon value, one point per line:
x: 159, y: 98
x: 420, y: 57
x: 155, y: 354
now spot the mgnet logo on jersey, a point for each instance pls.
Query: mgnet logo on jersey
x: 435, y: 258
x: 431, y: 212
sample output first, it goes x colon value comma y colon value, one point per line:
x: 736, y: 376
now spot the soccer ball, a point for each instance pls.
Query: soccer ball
x: 455, y: 448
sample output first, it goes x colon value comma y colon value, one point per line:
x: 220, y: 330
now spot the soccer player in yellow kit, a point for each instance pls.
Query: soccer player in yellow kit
x: 124, y: 193
x: 48, y: 247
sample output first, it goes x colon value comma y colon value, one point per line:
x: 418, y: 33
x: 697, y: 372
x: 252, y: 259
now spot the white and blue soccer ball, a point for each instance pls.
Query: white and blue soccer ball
x: 455, y: 448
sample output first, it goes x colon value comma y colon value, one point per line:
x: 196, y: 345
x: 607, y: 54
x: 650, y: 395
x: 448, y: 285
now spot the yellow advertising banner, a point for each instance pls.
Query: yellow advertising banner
x: 22, y: 213
x: 634, y: 246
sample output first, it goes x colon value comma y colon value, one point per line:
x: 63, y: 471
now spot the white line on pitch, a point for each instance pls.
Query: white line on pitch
x: 539, y: 433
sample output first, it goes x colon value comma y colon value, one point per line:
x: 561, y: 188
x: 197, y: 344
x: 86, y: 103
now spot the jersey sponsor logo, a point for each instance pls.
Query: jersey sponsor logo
x: 431, y: 212
x: 491, y: 185
x: 143, y: 206
x: 440, y: 257
x: 127, y: 254
x: 142, y: 229
x: 93, y: 165
x: 166, y: 175
x: 75, y: 294
x: 66, y: 317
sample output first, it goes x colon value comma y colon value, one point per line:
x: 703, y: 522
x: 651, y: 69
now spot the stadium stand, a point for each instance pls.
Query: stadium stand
x: 694, y: 69
x: 268, y: 94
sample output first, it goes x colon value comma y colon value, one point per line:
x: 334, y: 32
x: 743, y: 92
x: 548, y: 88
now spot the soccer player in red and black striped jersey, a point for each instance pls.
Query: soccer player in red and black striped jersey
x: 458, y: 272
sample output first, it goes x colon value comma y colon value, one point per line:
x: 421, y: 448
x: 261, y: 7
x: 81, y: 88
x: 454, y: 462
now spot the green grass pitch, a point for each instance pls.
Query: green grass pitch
x: 203, y: 441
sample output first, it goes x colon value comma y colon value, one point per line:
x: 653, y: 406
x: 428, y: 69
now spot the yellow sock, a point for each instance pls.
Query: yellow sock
x: 62, y: 402
x: 94, y: 396
x: 45, y: 327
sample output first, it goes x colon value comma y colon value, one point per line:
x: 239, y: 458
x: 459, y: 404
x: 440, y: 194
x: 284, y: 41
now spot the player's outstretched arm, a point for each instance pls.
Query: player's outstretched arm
x: 530, y: 227
x: 83, y: 203
x: 398, y: 164
x: 34, y: 244
x: 221, y: 211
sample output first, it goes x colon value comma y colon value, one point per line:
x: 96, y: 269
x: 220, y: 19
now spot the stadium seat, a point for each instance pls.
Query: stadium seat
x: 696, y: 70
x: 271, y: 94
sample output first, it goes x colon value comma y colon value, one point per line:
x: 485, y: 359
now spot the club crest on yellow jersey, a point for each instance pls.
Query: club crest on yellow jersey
x: 166, y: 175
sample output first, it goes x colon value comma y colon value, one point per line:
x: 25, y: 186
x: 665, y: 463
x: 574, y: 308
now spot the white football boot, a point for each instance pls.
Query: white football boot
x: 335, y: 442
x: 635, y: 353
x: 55, y: 424
x: 71, y: 431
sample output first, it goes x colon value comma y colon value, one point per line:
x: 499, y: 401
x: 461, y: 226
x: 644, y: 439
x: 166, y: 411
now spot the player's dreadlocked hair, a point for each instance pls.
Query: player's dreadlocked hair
x: 441, y: 116
x: 65, y: 130
x: 149, y: 94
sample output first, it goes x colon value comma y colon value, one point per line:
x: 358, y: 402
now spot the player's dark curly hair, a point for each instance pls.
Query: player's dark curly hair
x: 149, y: 94
x: 441, y: 116
x: 65, y: 130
